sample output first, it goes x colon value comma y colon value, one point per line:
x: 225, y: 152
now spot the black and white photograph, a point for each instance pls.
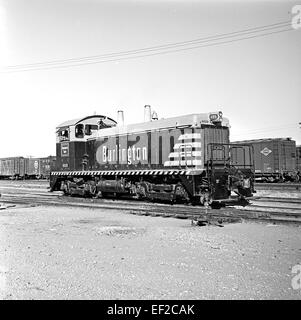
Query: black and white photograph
x: 150, y: 150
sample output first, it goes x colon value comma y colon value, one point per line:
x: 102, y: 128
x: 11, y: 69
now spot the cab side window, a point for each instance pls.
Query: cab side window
x: 79, y: 131
x: 63, y: 134
x: 90, y: 129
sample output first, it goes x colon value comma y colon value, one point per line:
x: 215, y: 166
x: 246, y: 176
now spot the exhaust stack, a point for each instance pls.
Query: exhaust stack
x: 120, y: 118
x: 147, y: 113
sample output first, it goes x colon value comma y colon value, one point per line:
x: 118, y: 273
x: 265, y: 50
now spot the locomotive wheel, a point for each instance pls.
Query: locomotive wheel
x: 92, y: 190
x: 181, y: 193
x: 142, y: 191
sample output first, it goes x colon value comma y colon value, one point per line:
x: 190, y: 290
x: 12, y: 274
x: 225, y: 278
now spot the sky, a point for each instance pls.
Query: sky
x: 255, y: 82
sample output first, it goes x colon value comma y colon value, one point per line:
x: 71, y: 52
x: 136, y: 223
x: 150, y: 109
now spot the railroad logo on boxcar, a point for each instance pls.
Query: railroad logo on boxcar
x: 36, y: 165
x: 266, y: 151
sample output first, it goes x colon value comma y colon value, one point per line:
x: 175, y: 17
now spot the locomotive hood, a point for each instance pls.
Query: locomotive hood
x: 192, y: 120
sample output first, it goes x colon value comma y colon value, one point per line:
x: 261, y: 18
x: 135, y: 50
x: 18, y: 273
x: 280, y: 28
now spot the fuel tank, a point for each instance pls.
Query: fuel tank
x: 111, y: 186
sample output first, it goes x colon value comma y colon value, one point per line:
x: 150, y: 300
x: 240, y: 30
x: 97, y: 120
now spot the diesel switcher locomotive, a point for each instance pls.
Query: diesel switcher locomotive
x: 180, y: 159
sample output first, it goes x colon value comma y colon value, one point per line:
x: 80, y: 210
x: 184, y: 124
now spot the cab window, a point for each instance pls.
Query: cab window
x: 63, y: 134
x: 90, y: 129
x: 79, y: 131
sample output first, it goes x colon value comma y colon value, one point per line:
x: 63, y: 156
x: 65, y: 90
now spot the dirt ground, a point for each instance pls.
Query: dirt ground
x: 287, y: 194
x: 67, y: 253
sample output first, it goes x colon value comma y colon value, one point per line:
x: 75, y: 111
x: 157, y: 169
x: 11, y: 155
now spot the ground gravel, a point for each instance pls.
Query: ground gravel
x: 68, y: 253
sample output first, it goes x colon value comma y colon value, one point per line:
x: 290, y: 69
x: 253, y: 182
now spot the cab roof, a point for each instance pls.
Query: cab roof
x: 94, y: 119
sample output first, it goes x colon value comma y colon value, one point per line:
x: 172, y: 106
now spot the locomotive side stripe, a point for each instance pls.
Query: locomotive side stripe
x: 190, y: 136
x: 182, y: 154
x: 182, y: 163
x: 191, y: 144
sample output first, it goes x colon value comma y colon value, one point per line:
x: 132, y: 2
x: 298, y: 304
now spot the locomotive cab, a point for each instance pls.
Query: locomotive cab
x: 72, y: 137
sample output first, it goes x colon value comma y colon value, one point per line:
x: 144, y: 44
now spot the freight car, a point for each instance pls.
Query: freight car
x: 275, y: 159
x: 298, y: 161
x: 39, y: 167
x: 12, y: 167
x: 47, y: 164
x: 185, y: 158
x: 26, y: 168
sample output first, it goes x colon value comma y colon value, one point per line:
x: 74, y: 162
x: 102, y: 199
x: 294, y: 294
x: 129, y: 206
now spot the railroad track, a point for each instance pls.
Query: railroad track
x: 276, y: 199
x: 256, y: 212
x: 278, y: 186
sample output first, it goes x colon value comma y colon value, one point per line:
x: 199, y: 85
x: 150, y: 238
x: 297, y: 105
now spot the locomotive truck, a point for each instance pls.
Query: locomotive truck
x: 180, y: 159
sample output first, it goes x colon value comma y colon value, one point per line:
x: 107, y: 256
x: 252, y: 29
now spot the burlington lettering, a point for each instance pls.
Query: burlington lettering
x: 131, y: 154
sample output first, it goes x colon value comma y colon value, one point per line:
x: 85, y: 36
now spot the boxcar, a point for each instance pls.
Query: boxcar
x: 47, y: 165
x: 298, y: 159
x: 32, y: 168
x: 26, y: 168
x: 39, y: 167
x: 275, y: 159
x: 12, y: 167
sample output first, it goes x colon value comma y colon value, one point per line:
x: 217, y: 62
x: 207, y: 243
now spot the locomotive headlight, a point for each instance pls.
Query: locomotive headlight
x: 213, y: 117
